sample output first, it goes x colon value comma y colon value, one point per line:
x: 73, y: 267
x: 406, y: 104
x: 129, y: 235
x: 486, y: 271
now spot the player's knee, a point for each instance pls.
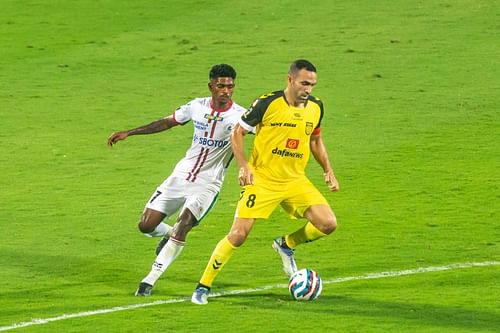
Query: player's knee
x: 183, y: 227
x: 150, y: 219
x: 237, y: 237
x: 144, y: 227
x: 330, y: 225
x: 188, y: 222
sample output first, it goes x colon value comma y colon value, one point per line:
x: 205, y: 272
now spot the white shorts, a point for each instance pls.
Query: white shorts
x: 176, y: 192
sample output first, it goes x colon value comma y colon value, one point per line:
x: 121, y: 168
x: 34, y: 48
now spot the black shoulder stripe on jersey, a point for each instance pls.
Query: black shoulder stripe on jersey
x: 320, y: 104
x: 256, y: 112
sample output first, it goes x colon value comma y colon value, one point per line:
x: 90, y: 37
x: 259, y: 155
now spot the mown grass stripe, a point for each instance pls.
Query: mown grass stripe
x: 369, y: 276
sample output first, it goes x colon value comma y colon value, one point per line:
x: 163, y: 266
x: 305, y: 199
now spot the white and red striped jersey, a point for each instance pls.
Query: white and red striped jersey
x: 210, y: 153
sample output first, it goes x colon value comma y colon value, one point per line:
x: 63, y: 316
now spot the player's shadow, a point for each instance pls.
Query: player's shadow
x: 424, y: 313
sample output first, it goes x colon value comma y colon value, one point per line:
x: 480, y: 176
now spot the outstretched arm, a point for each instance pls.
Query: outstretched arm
x: 154, y: 127
x: 237, y: 140
x: 321, y: 156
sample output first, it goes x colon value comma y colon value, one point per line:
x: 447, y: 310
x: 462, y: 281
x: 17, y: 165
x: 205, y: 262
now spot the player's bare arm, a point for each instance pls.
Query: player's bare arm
x: 321, y: 156
x: 237, y: 141
x: 154, y: 127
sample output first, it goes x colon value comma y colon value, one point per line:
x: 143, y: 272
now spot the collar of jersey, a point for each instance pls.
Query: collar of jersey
x: 222, y: 110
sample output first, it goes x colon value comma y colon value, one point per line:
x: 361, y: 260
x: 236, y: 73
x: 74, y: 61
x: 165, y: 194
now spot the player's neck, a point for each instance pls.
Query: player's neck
x: 291, y: 101
x: 221, y: 106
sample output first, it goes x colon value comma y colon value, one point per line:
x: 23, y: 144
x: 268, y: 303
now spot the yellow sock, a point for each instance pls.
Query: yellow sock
x: 222, y: 252
x: 307, y: 233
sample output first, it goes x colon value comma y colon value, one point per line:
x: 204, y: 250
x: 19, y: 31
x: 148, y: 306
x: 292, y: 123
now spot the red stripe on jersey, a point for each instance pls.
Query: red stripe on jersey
x: 196, y: 164
x: 209, y: 121
x: 316, y: 131
x: 201, y: 165
x: 215, y: 124
x: 193, y: 174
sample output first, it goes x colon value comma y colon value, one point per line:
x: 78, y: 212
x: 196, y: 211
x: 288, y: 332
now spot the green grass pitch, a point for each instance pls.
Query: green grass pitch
x: 411, y: 91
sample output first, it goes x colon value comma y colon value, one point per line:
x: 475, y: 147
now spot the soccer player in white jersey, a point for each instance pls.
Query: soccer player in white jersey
x: 194, y: 185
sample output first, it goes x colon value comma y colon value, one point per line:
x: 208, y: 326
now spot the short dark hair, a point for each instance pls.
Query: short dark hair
x: 222, y: 70
x: 299, y: 64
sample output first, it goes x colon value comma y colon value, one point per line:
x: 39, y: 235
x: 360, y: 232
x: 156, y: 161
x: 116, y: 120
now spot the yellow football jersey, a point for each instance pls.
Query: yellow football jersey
x: 281, y: 146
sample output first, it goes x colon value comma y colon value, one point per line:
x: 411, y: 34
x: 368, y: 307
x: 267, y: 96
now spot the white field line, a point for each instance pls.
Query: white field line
x: 369, y: 276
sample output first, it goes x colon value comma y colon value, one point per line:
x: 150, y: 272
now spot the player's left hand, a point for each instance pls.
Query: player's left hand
x: 331, y: 181
x: 246, y: 176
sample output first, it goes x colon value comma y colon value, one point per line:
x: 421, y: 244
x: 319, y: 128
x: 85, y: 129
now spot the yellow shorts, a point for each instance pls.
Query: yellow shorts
x: 260, y: 200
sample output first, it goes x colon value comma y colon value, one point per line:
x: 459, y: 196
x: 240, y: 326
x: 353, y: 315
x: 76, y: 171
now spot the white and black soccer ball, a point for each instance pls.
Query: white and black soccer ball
x: 305, y: 284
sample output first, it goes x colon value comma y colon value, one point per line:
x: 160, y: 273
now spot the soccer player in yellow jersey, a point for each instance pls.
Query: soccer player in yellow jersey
x: 287, y: 128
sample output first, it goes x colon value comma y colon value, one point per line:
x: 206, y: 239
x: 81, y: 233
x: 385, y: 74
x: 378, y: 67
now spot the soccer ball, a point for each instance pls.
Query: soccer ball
x: 305, y: 284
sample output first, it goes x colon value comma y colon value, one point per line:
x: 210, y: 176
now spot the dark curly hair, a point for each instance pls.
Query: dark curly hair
x: 222, y: 70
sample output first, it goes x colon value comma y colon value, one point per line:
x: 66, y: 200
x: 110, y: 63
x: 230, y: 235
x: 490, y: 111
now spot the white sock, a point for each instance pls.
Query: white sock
x: 161, y: 229
x: 167, y: 255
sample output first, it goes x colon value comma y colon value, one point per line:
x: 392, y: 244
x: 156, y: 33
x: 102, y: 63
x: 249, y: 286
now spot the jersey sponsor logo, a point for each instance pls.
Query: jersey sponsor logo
x: 292, y: 143
x: 210, y: 117
x: 309, y: 128
x: 286, y: 153
x: 283, y: 124
x: 212, y: 143
x: 202, y: 126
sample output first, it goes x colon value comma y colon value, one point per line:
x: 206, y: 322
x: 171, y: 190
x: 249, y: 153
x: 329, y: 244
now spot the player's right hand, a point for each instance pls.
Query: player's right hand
x: 331, y: 181
x: 116, y: 136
